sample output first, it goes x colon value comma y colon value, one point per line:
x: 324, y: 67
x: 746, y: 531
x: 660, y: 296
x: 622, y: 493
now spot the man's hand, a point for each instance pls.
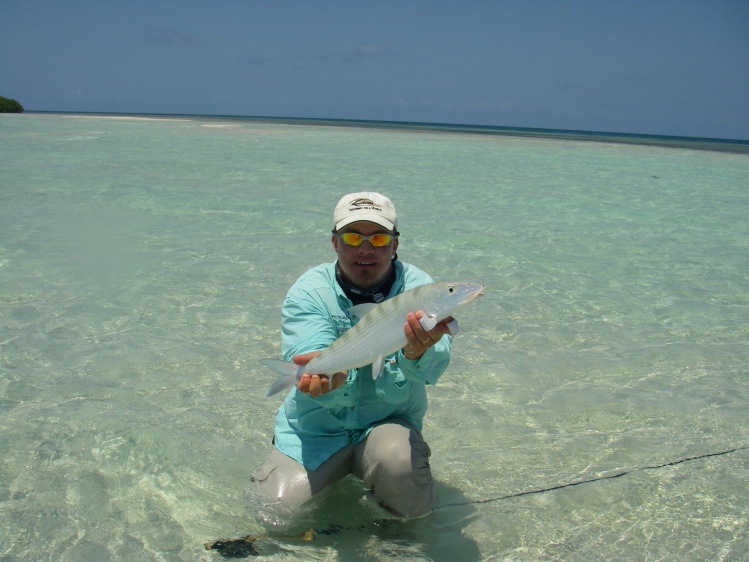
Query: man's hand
x: 419, y: 340
x: 316, y: 385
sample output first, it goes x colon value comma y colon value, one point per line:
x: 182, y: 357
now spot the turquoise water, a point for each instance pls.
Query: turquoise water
x: 596, y: 406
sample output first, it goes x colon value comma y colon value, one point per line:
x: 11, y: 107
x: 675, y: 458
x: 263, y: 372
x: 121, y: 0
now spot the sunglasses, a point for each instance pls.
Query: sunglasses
x: 356, y: 239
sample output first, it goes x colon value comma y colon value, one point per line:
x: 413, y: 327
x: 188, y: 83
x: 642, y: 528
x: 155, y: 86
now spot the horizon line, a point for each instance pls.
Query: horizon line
x: 740, y: 146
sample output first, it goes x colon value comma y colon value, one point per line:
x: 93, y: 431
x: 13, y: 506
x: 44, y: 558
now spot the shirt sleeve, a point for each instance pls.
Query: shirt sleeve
x: 429, y: 367
x: 306, y: 325
x: 309, y: 318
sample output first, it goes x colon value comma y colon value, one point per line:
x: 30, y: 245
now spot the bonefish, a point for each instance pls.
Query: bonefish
x: 379, y: 332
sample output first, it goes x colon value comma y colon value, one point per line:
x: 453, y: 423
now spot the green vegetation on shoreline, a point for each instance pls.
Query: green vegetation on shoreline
x: 10, y: 106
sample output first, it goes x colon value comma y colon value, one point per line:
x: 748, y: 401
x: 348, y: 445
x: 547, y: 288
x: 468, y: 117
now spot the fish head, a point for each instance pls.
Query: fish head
x: 447, y: 297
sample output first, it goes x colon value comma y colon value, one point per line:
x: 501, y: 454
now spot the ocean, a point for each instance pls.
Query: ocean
x: 595, y: 407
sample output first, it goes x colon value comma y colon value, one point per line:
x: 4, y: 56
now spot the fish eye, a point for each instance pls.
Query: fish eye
x: 451, y: 289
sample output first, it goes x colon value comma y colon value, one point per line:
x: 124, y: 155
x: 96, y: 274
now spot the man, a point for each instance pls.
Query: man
x: 350, y: 423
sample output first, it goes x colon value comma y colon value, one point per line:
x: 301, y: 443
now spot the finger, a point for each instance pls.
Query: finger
x: 421, y: 335
x: 337, y: 381
x: 438, y: 331
x: 304, y: 358
x: 319, y: 385
x: 303, y: 384
x: 315, y: 386
x: 413, y: 343
x: 424, y: 338
x: 409, y: 331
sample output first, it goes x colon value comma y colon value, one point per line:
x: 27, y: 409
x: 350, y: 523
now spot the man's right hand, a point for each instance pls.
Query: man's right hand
x: 316, y: 385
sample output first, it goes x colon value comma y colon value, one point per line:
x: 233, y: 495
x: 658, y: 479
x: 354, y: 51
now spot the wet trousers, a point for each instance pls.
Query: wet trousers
x: 393, y: 463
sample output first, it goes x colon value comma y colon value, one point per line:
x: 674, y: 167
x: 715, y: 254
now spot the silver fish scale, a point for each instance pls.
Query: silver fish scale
x: 380, y: 332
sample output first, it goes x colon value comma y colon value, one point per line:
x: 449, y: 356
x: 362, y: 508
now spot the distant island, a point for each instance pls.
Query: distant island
x: 10, y: 106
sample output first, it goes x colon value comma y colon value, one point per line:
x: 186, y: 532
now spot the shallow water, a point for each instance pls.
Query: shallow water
x: 596, y: 406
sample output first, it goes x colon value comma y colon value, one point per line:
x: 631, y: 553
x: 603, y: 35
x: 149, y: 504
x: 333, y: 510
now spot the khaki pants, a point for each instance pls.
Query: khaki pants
x: 393, y: 463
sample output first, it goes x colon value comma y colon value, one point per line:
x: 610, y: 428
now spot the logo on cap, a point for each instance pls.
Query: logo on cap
x: 364, y: 202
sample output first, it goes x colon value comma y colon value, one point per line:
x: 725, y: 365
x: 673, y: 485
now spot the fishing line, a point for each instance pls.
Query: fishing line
x: 590, y: 480
x: 245, y: 546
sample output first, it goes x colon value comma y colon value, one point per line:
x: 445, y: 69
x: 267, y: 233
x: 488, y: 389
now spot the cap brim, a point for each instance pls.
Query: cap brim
x: 365, y: 217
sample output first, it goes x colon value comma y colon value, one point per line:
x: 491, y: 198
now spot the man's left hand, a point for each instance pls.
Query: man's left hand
x: 419, y: 340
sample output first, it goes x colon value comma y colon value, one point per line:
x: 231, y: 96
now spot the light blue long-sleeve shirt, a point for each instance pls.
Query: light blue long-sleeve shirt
x: 314, y: 315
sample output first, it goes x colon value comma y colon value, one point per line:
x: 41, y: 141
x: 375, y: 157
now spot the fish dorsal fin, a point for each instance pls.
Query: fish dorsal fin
x: 361, y: 309
x: 378, y: 365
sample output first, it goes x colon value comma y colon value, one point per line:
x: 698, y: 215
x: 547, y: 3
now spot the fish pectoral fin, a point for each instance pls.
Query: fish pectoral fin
x: 427, y: 321
x: 361, y: 309
x: 378, y: 365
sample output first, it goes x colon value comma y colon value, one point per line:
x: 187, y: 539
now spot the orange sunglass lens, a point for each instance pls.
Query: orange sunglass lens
x: 379, y: 240
x: 352, y: 238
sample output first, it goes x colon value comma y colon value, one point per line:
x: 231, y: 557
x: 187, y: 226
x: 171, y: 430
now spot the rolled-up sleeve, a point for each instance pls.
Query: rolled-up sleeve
x: 430, y: 366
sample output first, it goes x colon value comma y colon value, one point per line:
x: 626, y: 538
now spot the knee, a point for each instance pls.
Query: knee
x: 400, y: 477
x: 395, y: 459
x: 286, y: 486
x: 395, y: 452
x: 407, y: 501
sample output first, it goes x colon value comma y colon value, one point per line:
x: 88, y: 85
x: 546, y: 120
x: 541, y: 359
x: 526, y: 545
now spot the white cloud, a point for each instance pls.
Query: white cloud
x: 370, y: 49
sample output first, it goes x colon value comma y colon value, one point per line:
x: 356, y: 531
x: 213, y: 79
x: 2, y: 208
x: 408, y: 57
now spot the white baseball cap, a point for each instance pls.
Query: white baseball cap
x: 365, y: 206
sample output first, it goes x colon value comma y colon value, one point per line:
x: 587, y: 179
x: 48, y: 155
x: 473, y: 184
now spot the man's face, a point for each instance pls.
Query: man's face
x: 364, y: 266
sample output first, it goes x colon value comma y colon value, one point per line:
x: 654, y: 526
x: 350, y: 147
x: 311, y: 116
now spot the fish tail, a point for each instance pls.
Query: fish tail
x: 288, y: 372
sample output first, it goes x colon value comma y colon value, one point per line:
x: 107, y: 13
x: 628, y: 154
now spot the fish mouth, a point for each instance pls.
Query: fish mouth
x: 477, y: 292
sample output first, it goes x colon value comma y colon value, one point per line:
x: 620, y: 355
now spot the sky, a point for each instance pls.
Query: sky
x: 663, y: 67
